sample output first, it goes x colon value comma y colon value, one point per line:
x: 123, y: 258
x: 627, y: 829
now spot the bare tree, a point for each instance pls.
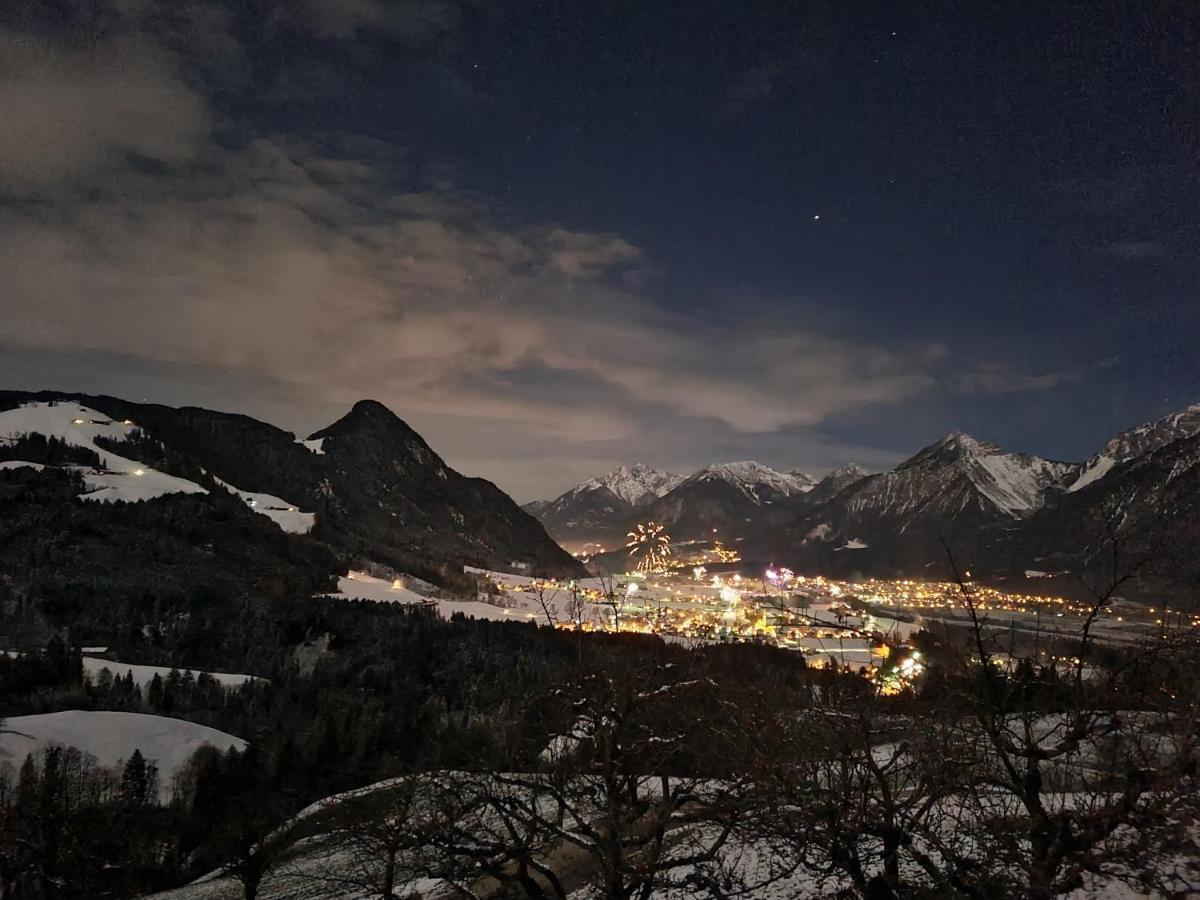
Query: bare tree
x: 1052, y: 781
x: 645, y: 788
x: 612, y: 597
x: 854, y: 791
x: 545, y: 592
x: 382, y: 836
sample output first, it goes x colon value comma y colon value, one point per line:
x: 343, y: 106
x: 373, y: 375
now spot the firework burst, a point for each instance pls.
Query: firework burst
x: 650, y: 545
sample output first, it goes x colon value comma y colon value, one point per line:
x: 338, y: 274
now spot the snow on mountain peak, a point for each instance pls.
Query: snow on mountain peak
x: 1015, y: 483
x: 633, y: 484
x: 848, y: 471
x: 968, y: 444
x: 750, y: 477
x: 1137, y: 441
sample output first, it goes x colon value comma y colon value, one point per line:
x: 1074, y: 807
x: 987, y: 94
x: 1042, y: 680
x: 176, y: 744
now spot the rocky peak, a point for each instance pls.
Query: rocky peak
x: 371, y: 417
x: 1138, y: 441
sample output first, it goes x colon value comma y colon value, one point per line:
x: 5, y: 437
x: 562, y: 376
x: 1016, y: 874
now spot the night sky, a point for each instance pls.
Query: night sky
x: 556, y: 237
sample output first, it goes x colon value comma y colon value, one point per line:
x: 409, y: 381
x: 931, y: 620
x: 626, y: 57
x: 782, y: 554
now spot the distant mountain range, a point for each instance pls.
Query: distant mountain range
x: 1003, y: 512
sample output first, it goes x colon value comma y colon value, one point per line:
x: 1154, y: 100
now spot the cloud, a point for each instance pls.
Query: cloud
x: 70, y: 116
x: 324, y: 272
x: 410, y: 20
x: 581, y: 255
x: 997, y: 378
x: 279, y: 263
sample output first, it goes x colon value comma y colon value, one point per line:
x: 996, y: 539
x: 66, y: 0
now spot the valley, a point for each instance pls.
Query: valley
x: 282, y: 662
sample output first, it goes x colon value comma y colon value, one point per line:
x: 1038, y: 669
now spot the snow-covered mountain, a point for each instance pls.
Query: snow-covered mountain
x: 959, y: 486
x: 959, y: 470
x: 602, y: 509
x: 835, y: 482
x: 760, y: 484
x: 1139, y: 441
x: 637, y: 485
x: 1001, y: 509
x: 599, y: 509
x: 729, y: 500
x: 368, y: 485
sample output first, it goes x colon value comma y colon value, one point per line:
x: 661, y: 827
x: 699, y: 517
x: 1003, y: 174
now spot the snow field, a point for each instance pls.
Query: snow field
x: 111, y: 737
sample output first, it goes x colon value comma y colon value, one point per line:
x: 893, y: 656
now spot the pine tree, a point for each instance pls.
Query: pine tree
x: 27, y: 785
x: 135, y: 780
x: 154, y: 693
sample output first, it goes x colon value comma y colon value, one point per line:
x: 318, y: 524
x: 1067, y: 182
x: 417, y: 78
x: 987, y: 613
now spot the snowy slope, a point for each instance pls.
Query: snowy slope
x: 143, y: 675
x: 278, y: 510
x: 112, y: 737
x: 120, y: 478
x: 20, y: 464
x: 1139, y: 441
x: 364, y: 587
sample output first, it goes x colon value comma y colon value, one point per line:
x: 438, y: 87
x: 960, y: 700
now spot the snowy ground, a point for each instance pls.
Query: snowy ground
x: 278, y: 510
x: 111, y: 737
x: 119, y: 478
x: 508, y: 579
x: 315, y: 867
x: 364, y: 587
x: 20, y: 464
x: 143, y: 675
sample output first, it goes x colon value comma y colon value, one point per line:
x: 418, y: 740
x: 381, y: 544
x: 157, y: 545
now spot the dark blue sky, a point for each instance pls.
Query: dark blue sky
x: 546, y: 232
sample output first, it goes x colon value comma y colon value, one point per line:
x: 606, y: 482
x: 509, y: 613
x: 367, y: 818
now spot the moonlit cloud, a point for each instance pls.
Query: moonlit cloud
x: 527, y: 348
x: 997, y: 378
x: 70, y: 116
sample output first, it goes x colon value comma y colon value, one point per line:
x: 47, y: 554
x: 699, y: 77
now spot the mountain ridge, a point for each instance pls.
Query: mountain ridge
x: 1004, y: 508
x: 376, y: 489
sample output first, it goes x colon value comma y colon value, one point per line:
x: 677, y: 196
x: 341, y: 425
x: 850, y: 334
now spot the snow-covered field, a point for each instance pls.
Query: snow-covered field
x: 508, y: 579
x: 143, y: 675
x: 119, y: 478
x: 111, y: 737
x: 20, y: 464
x: 359, y: 586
